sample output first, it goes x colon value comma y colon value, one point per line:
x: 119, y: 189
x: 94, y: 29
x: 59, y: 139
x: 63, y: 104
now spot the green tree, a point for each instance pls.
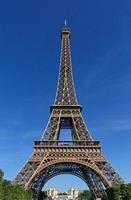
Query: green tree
x: 85, y: 195
x: 12, y: 192
x: 113, y: 193
x: 44, y: 196
x: 1, y: 175
x: 118, y: 192
x: 28, y: 194
x: 6, y: 190
x: 125, y: 190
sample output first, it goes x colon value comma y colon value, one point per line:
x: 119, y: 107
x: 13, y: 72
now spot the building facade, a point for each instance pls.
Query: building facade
x: 71, y: 194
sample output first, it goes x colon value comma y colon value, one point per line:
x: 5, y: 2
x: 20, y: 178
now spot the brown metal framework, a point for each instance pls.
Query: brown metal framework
x: 82, y: 156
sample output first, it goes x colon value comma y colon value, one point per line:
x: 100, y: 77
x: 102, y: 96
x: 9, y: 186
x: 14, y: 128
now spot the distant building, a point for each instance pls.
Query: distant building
x: 71, y: 194
x: 52, y: 192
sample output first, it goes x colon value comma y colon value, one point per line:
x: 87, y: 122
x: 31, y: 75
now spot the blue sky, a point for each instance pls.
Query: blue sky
x: 29, y: 62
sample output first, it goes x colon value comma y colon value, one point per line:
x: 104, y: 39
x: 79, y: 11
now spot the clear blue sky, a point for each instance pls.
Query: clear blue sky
x: 29, y: 62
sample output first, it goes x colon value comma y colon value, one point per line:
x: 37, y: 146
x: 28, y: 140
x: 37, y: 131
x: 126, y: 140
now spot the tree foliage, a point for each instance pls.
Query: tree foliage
x: 85, y: 195
x: 118, y: 192
x: 12, y: 192
x: 43, y: 196
x: 16, y: 192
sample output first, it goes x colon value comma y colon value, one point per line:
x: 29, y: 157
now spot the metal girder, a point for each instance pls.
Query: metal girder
x: 82, y: 156
x: 87, y: 175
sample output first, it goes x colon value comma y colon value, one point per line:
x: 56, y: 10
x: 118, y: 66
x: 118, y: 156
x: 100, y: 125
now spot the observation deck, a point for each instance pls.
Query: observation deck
x: 57, y: 143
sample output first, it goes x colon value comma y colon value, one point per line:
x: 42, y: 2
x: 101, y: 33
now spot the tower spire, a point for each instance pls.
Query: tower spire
x: 65, y: 94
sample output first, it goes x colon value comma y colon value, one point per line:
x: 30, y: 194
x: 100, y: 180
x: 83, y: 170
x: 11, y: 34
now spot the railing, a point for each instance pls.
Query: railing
x: 66, y: 143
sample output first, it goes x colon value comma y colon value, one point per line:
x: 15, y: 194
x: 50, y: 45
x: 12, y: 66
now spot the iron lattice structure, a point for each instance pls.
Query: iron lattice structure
x: 82, y: 156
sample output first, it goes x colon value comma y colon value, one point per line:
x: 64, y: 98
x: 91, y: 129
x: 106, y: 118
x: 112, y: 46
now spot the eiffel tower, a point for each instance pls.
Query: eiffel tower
x: 80, y: 156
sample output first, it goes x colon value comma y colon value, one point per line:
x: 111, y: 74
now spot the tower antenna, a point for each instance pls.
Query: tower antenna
x: 65, y: 23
